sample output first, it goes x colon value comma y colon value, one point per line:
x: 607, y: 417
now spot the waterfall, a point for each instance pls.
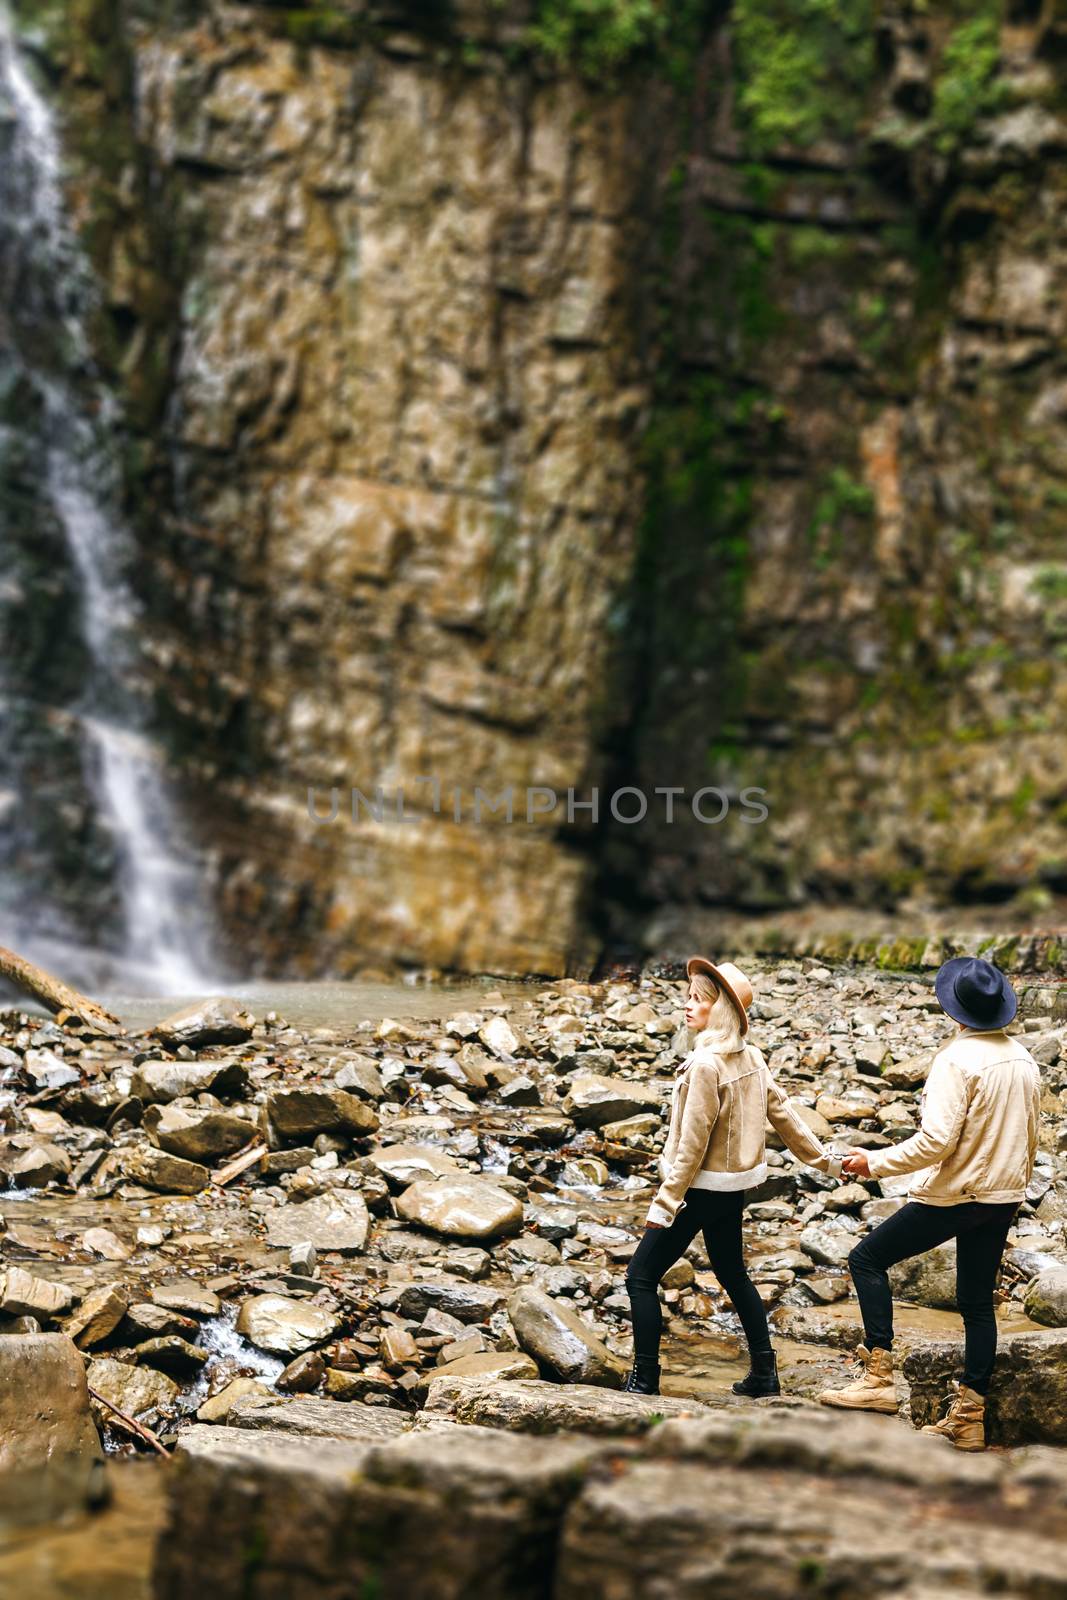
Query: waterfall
x: 47, y: 298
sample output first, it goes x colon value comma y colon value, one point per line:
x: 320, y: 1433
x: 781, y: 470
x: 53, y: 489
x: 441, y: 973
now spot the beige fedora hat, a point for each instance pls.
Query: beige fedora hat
x: 728, y: 977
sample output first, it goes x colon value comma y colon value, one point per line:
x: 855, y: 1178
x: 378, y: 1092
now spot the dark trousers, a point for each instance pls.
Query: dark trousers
x: 980, y: 1231
x: 716, y: 1213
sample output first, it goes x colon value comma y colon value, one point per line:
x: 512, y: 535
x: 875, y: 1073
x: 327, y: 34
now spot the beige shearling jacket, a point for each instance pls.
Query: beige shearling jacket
x: 720, y: 1106
x: 977, y: 1138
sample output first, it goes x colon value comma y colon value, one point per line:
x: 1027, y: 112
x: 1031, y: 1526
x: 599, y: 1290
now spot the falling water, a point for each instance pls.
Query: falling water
x: 49, y: 285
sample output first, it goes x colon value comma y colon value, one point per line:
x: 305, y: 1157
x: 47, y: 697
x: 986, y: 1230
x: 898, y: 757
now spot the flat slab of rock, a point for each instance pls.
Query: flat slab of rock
x: 464, y: 1207
x: 155, y: 1169
x: 51, y: 1461
x: 529, y: 1405
x: 487, y: 1364
x: 404, y: 1164
x: 559, y: 1341
x: 337, y: 1220
x: 593, y: 1099
x: 1027, y: 1400
x: 159, y: 1082
x: 217, y: 1020
x: 303, y: 1113
x: 284, y: 1327
x: 197, y: 1135
x: 469, y: 1302
x: 313, y: 1416
x: 23, y: 1294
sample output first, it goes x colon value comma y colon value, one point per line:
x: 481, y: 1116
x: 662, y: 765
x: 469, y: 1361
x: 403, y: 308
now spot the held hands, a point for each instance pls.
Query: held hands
x: 854, y: 1164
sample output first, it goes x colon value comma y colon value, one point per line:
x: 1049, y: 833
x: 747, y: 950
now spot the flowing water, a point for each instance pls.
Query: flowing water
x: 47, y: 299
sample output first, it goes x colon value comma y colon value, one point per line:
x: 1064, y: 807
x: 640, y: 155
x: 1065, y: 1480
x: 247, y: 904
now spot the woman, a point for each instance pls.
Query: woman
x: 715, y: 1151
x: 974, y: 1157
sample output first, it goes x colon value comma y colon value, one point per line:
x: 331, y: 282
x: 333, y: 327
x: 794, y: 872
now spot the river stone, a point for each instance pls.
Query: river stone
x: 593, y: 1100
x: 461, y: 1208
x: 197, y: 1135
x: 98, y: 1315
x: 146, y: 1321
x: 102, y: 1242
x: 530, y: 1405
x: 173, y: 1355
x: 216, y: 1020
x: 559, y: 1341
x: 315, y: 1416
x: 168, y: 1174
x: 1046, y: 1298
x: 187, y: 1297
x: 220, y: 1406
x: 909, y: 1073
x: 360, y: 1076
x: 50, y: 1456
x: 46, y: 1070
x: 24, y: 1295
x: 1027, y: 1400
x: 284, y: 1327
x: 337, y: 1220
x: 467, y: 1302
x: 158, y: 1082
x: 404, y: 1164
x: 928, y: 1279
x: 44, y: 1163
x: 827, y: 1245
x: 142, y: 1392
x: 501, y: 1039
x: 492, y: 1364
x: 303, y: 1113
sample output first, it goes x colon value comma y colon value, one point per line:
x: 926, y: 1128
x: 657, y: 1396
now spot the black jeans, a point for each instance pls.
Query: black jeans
x: 980, y: 1231
x: 716, y: 1213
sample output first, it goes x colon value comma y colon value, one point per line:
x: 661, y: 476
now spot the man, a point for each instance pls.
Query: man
x: 978, y: 1140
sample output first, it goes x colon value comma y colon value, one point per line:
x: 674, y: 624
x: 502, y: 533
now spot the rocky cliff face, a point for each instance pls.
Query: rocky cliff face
x: 490, y: 425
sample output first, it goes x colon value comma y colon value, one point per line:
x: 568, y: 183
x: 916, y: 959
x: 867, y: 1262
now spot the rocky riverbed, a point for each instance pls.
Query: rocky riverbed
x: 259, y: 1235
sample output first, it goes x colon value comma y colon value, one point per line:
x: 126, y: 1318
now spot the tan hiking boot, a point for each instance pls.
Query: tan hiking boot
x: 964, y: 1423
x: 874, y: 1391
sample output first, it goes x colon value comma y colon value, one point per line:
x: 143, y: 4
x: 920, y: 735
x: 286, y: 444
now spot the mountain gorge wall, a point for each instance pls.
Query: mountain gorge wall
x: 489, y: 423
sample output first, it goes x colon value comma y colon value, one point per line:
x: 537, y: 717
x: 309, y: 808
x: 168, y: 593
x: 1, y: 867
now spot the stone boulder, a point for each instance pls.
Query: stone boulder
x: 1046, y: 1298
x: 98, y: 1315
x: 337, y: 1220
x: 1027, y: 1401
x: 51, y: 1462
x: 530, y: 1405
x: 462, y: 1207
x: 560, y: 1342
x: 928, y: 1279
x: 159, y: 1082
x: 404, y: 1164
x: 197, y: 1135
x: 216, y: 1020
x: 495, y: 1364
x: 284, y: 1327
x: 593, y: 1100
x: 143, y: 1393
x: 22, y: 1294
x: 303, y: 1113
x: 155, y: 1169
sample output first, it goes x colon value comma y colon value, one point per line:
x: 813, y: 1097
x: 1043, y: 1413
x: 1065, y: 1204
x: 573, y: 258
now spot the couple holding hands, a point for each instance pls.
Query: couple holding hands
x: 974, y: 1153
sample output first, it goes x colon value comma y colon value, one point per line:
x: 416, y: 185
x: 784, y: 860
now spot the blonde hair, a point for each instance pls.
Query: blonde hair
x: 722, y: 1031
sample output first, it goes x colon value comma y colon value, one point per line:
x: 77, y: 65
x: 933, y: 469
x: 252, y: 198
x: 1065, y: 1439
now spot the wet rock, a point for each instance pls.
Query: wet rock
x: 826, y: 1244
x: 220, y: 1406
x: 502, y: 1040
x: 468, y: 1302
x: 1027, y: 1400
x: 847, y: 1197
x: 142, y: 1392
x: 50, y: 1455
x: 337, y: 1220
x: 173, y: 1355
x: 553, y: 1222
x: 102, y: 1242
x: 316, y: 1417
x: 24, y: 1295
x: 404, y: 1164
x: 303, y: 1113
x: 593, y: 1100
x: 204, y: 1136
x: 303, y: 1374
x: 560, y: 1342
x: 43, y: 1164
x: 146, y: 1321
x: 44, y: 1069
x: 909, y: 1073
x: 284, y: 1327
x: 159, y: 1082
x: 98, y: 1315
x: 928, y: 1279
x: 189, y: 1298
x: 492, y: 1364
x: 533, y: 1406
x: 167, y: 1174
x: 1046, y: 1298
x: 461, y: 1207
x: 217, y: 1020
x: 360, y: 1076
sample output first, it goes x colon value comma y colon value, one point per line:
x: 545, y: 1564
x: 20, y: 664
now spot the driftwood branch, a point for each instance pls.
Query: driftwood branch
x: 59, y: 997
x: 131, y: 1422
x: 241, y: 1162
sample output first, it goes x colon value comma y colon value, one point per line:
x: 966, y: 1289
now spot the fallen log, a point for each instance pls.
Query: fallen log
x: 58, y: 996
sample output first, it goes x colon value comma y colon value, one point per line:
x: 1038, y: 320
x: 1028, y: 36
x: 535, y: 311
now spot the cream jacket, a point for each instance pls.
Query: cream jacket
x: 716, y: 1140
x: 978, y: 1134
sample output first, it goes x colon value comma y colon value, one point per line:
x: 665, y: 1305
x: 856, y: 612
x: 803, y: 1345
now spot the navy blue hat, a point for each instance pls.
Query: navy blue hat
x: 975, y: 992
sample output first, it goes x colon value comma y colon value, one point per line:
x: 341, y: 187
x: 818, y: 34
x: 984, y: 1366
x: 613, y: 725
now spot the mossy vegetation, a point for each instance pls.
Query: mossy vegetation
x: 968, y: 86
x: 804, y: 68
x: 599, y: 37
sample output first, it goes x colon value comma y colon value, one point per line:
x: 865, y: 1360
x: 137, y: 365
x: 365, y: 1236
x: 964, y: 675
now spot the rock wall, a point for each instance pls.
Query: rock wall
x: 498, y: 426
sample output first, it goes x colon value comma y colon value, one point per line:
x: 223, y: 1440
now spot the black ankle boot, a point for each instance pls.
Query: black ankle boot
x: 762, y: 1376
x: 644, y: 1377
